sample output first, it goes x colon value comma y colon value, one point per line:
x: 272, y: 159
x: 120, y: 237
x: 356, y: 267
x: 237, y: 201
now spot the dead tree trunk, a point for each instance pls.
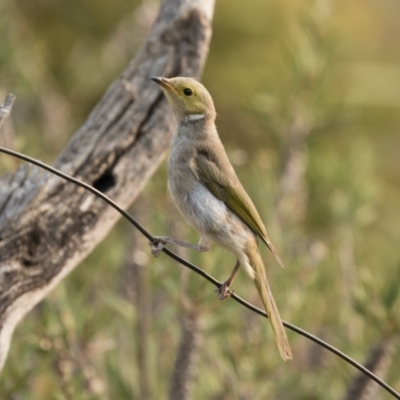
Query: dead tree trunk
x: 47, y: 226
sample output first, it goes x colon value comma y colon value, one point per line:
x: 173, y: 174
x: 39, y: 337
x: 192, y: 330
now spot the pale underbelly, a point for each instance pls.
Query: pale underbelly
x: 212, y: 217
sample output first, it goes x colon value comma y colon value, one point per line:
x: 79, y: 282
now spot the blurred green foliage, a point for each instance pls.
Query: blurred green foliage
x: 308, y: 101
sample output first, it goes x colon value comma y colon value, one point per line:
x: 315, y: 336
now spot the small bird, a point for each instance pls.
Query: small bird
x: 206, y: 190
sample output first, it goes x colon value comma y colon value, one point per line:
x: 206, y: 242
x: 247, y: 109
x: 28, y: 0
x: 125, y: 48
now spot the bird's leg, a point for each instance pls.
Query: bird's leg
x: 224, y: 290
x: 159, y: 243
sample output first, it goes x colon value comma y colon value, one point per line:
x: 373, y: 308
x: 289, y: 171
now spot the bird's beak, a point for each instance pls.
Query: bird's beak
x: 163, y: 82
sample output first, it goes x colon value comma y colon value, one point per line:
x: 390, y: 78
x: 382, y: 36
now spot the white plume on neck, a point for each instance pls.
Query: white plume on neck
x: 195, y: 117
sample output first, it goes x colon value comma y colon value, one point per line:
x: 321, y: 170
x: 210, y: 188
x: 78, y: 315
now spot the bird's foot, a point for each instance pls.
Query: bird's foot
x: 224, y: 291
x: 157, y: 245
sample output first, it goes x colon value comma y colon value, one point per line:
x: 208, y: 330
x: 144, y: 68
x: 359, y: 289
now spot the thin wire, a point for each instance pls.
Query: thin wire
x: 199, y: 271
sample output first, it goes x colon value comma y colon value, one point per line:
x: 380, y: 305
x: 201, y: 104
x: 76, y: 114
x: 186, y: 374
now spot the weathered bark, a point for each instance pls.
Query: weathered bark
x: 47, y: 226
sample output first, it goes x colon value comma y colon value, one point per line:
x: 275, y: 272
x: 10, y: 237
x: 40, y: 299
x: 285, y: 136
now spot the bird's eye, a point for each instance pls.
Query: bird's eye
x: 187, y: 92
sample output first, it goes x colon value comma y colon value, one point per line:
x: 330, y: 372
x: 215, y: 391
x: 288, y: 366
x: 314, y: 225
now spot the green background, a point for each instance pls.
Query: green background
x: 308, y: 101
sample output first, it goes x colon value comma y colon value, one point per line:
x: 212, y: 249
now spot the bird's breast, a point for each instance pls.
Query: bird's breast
x: 203, y: 210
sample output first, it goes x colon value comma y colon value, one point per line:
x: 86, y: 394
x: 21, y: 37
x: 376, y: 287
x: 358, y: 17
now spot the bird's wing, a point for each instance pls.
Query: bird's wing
x: 226, y: 187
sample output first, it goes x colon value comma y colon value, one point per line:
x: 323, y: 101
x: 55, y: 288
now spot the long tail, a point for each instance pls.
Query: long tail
x: 261, y: 283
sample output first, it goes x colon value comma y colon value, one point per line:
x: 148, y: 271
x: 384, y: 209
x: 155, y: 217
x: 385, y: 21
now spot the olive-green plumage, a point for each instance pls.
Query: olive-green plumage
x: 208, y: 193
x: 230, y: 191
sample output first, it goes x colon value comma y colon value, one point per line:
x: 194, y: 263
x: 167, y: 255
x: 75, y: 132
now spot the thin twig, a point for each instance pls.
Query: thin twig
x: 200, y: 271
x: 5, y: 109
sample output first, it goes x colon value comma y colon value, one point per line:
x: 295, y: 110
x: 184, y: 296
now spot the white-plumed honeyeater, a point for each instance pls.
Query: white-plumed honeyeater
x: 206, y: 190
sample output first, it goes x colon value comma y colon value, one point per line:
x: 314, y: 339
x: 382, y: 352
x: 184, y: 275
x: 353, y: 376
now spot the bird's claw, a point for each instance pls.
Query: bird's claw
x: 157, y: 246
x: 224, y: 291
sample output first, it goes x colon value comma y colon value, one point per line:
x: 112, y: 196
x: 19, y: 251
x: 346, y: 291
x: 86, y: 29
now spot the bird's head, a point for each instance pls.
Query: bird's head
x: 188, y: 98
